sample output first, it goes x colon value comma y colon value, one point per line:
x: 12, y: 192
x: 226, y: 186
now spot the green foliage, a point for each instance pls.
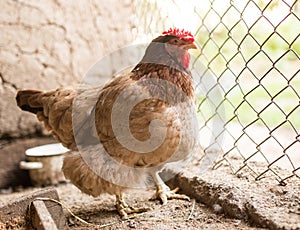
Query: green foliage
x: 249, y: 51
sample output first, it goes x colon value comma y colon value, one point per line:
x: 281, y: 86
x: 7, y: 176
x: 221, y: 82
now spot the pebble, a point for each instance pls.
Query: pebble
x: 217, y: 208
x: 132, y: 224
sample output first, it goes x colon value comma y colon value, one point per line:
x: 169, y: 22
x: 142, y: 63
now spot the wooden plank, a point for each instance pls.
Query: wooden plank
x: 41, y: 219
x: 19, y: 207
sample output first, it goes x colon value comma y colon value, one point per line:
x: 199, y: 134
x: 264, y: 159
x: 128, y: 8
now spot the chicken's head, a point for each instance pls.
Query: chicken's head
x: 177, y: 43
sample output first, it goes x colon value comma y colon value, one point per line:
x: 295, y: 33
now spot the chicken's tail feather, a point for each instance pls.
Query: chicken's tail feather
x: 28, y: 100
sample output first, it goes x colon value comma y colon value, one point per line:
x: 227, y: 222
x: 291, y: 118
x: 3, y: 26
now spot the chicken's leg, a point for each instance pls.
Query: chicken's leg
x: 163, y: 192
x: 124, y: 209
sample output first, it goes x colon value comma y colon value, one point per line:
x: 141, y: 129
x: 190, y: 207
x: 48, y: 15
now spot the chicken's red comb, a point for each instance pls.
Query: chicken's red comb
x: 186, y: 35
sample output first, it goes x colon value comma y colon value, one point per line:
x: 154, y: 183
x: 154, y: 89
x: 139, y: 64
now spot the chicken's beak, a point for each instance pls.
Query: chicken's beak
x: 189, y: 45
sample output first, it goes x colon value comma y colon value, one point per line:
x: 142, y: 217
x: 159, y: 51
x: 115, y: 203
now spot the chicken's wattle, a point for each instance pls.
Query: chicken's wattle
x: 185, y: 59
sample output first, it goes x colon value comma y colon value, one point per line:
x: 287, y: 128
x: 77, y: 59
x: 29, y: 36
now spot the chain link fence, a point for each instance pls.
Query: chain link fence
x: 249, y: 81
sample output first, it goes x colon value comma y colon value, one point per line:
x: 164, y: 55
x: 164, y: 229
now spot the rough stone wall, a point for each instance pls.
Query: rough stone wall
x: 48, y: 44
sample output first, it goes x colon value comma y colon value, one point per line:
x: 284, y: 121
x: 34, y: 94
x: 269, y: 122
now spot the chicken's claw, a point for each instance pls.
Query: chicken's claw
x: 124, y: 209
x: 163, y: 192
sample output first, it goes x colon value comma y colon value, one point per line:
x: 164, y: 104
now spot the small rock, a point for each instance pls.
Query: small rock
x: 132, y: 224
x: 217, y: 208
x: 71, y: 221
x: 278, y: 190
x: 6, y: 190
x: 237, y: 222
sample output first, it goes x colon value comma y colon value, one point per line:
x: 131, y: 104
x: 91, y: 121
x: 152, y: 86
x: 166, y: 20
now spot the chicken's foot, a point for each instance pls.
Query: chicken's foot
x: 163, y: 192
x: 124, y: 209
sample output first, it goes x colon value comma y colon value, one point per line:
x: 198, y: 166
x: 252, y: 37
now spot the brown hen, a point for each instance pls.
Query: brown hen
x: 122, y: 134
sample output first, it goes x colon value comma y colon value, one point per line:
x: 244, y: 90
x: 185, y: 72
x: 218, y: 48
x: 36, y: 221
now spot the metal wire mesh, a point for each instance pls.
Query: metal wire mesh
x: 249, y: 81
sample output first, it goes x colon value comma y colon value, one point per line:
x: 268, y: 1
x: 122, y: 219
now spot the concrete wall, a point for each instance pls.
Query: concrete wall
x: 47, y: 44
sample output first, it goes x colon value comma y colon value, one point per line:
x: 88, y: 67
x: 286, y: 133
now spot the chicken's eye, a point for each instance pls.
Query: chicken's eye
x: 175, y: 41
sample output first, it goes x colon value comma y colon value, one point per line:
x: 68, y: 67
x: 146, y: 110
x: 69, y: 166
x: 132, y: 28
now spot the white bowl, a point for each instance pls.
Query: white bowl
x: 46, y: 150
x: 44, y: 164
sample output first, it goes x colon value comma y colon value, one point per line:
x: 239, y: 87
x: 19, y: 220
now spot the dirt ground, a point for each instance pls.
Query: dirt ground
x: 223, y: 201
x: 264, y: 202
x: 100, y: 212
x: 177, y: 214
